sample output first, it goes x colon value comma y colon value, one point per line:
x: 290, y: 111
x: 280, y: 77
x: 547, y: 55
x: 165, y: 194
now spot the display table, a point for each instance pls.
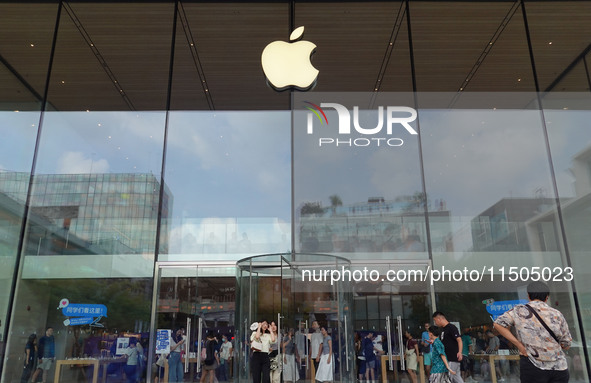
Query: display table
x: 96, y: 363
x: 491, y: 361
x: 386, y: 358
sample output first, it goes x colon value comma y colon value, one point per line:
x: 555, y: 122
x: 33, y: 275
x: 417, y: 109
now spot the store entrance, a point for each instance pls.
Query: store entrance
x: 282, y: 288
x: 190, y: 301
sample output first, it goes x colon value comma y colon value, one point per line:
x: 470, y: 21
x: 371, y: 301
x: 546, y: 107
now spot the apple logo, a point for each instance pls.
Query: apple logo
x: 288, y: 65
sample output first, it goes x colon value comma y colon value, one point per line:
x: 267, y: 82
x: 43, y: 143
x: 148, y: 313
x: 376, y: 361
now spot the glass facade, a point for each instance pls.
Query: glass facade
x: 145, y: 167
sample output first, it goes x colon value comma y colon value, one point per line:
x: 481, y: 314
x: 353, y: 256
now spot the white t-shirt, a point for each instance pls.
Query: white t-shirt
x: 315, y: 342
x: 225, y: 350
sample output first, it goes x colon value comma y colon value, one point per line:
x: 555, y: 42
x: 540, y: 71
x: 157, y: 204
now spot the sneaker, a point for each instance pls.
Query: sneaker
x: 501, y: 380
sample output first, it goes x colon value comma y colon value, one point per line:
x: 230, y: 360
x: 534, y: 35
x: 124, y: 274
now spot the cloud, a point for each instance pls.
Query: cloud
x: 79, y: 163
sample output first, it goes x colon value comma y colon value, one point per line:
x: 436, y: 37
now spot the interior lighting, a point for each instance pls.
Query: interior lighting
x: 518, y: 80
x: 63, y: 82
x: 32, y: 44
x: 550, y: 43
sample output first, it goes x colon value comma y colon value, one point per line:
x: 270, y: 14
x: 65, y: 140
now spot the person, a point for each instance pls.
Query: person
x: 45, y: 354
x: 466, y: 363
x: 175, y: 366
x: 211, y: 362
x: 360, y: 361
x: 426, y: 346
x: 30, y: 358
x: 226, y: 352
x: 325, y: 365
x: 315, y: 342
x: 542, y: 353
x: 411, y: 352
x: 132, y: 355
x: 290, y: 354
x: 493, y: 348
x: 260, y: 363
x: 451, y: 339
x: 439, y: 364
x: 370, y: 356
x: 274, y: 362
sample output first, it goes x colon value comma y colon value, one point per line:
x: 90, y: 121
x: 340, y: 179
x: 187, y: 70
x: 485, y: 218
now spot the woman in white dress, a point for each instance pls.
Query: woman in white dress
x: 325, y: 366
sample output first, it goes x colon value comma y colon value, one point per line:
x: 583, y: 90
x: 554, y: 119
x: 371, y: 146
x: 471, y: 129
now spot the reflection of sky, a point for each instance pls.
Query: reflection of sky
x: 17, y: 142
x: 237, y: 164
x: 472, y: 159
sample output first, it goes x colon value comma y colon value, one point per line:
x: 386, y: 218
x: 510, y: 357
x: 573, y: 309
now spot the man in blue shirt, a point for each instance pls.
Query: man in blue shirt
x: 46, y: 354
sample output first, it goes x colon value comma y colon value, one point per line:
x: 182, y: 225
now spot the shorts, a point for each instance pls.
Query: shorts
x: 45, y: 363
x: 370, y: 364
x: 210, y: 367
x: 427, y: 359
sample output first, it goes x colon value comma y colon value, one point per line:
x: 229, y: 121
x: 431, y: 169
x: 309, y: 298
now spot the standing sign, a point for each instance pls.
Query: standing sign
x: 496, y: 309
x: 163, y: 341
x: 122, y: 344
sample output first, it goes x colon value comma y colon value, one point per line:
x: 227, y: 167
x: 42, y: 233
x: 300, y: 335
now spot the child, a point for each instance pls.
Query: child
x: 439, y: 366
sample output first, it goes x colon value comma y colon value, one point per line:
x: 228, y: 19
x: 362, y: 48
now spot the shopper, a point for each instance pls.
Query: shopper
x: 326, y: 365
x: 226, y: 352
x: 315, y: 342
x: 370, y: 356
x: 211, y: 361
x: 291, y: 372
x: 411, y: 352
x: 426, y: 349
x: 542, y: 337
x: 260, y: 341
x: 274, y: 361
x: 132, y: 355
x: 175, y: 366
x: 45, y: 354
x: 451, y: 339
x: 30, y: 358
x: 466, y: 365
x: 441, y: 371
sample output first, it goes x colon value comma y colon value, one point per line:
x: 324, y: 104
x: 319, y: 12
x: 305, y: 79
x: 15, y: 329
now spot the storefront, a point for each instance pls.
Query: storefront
x: 152, y: 179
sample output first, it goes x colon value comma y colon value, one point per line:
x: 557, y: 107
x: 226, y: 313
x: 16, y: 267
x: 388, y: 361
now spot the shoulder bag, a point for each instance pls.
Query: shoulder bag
x: 531, y: 310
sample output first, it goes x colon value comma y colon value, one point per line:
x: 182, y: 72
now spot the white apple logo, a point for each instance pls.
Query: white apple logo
x: 288, y: 64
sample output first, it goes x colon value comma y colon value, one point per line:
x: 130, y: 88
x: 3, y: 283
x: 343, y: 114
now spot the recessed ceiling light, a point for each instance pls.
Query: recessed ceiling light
x: 32, y: 44
x: 550, y: 43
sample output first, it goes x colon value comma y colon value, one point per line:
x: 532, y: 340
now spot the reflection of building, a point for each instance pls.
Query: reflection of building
x: 102, y: 213
x: 502, y: 227
x: 378, y: 225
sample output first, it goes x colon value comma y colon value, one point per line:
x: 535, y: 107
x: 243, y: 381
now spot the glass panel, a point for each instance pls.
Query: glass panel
x: 23, y: 73
x: 225, y: 204
x: 194, y: 303
x: 275, y: 284
x: 566, y: 116
x: 358, y: 191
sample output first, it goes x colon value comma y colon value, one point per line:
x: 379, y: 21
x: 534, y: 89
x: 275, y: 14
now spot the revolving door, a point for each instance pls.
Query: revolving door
x: 294, y: 291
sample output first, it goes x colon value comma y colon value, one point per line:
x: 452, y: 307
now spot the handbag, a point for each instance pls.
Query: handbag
x: 531, y: 310
x: 256, y: 345
x: 275, y: 363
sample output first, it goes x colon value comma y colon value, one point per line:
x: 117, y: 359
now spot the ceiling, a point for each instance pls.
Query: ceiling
x: 117, y: 56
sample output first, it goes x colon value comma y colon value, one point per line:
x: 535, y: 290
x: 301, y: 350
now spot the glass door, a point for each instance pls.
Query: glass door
x: 192, y: 302
x: 389, y: 304
x: 282, y: 288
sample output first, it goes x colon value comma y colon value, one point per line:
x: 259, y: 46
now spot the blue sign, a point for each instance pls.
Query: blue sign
x: 163, y: 341
x: 84, y: 310
x: 498, y: 308
x: 81, y: 314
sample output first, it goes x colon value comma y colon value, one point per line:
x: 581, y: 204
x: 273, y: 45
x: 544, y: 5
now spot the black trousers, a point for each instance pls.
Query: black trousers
x: 531, y: 374
x: 260, y: 367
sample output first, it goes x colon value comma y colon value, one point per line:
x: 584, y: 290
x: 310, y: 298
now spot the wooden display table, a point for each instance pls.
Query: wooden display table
x: 386, y: 358
x: 491, y: 361
x: 97, y: 363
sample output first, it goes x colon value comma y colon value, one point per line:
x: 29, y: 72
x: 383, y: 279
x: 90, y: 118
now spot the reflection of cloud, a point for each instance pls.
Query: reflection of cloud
x: 78, y: 163
x: 473, y: 159
x: 230, y: 236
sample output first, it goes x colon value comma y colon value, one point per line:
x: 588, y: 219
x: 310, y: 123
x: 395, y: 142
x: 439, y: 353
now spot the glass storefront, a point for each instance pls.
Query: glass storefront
x: 146, y: 168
